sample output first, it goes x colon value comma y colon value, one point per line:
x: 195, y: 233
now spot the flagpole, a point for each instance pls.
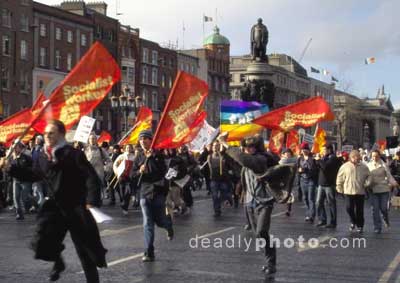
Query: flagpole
x: 164, y: 113
x: 203, y: 28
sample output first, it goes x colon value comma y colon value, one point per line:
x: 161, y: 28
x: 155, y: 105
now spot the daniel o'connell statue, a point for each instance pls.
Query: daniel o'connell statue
x: 259, y: 40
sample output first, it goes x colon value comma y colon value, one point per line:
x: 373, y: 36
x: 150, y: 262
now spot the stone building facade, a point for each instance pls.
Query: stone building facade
x: 214, y: 69
x: 16, y: 57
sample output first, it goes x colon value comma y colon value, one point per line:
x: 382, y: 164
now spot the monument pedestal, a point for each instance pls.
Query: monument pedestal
x: 259, y: 71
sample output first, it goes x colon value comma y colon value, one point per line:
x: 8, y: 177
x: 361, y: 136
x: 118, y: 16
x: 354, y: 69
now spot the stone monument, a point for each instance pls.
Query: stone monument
x: 259, y: 86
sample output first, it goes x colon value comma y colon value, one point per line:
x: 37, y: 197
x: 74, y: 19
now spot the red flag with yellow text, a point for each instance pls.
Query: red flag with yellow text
x: 305, y: 113
x: 143, y: 122
x: 276, y: 141
x: 319, y: 139
x: 82, y: 89
x: 183, y: 114
x: 14, y: 126
x: 292, y: 141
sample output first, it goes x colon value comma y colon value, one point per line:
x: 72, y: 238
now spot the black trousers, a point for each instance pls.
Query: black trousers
x: 263, y: 218
x: 355, y: 209
x: 52, y: 227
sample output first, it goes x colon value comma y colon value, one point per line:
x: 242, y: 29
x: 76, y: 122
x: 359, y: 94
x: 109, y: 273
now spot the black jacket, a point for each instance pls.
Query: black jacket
x: 152, y: 181
x: 21, y: 168
x: 72, y: 179
x: 328, y: 170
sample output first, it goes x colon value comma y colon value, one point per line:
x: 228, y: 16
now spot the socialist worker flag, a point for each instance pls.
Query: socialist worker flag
x: 292, y: 141
x: 104, y: 137
x: 276, y: 141
x: 305, y: 113
x: 14, y: 126
x: 183, y: 114
x: 143, y: 122
x: 319, y: 139
x: 17, y: 125
x: 82, y: 89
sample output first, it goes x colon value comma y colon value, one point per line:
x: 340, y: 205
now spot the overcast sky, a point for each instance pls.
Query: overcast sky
x: 343, y: 32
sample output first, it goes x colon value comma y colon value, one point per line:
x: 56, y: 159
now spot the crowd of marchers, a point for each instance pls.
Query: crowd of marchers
x: 161, y: 182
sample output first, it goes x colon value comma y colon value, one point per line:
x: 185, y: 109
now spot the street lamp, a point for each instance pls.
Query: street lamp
x: 126, y: 103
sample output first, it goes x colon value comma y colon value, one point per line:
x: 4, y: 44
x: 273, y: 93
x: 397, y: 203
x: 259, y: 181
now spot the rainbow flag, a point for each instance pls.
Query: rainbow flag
x: 237, y: 116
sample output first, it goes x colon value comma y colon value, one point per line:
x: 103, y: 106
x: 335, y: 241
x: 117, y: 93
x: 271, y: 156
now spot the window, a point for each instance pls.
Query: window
x: 171, y: 63
x: 99, y: 32
x: 69, y: 36
x: 24, y: 2
x: 43, y: 30
x: 192, y: 69
x: 83, y: 39
x: 24, y: 50
x: 144, y: 75
x: 154, y: 101
x: 58, y: 59
x: 42, y: 56
x: 58, y: 34
x: 111, y: 35
x: 145, y: 55
x: 145, y: 98
x: 181, y: 67
x: 154, y: 57
x: 187, y: 69
x: 154, y: 76
x: 164, y: 61
x: 163, y: 80
x: 5, y: 78
x: 123, y: 51
x: 69, y: 61
x: 170, y: 82
x: 6, y: 18
x: 6, y: 45
x: 128, y: 75
x: 24, y: 83
x: 24, y: 23
x: 6, y: 110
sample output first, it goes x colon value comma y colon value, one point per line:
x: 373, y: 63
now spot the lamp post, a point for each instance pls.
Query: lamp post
x: 125, y: 103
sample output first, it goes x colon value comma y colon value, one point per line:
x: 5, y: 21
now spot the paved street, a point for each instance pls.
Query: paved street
x: 176, y: 261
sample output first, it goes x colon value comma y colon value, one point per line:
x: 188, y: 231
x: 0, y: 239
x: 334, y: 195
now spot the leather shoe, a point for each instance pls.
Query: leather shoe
x: 269, y: 269
x: 170, y: 234
x: 147, y: 258
x: 58, y: 267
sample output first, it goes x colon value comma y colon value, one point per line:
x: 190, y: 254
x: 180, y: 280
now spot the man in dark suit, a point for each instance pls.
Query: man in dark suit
x: 73, y: 188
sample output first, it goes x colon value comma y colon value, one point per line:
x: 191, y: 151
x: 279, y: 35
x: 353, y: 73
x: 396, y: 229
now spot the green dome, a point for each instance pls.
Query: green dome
x: 216, y: 38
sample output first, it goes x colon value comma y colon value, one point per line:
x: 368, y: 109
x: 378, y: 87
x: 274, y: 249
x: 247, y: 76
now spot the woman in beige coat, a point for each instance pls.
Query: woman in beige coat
x: 381, y: 184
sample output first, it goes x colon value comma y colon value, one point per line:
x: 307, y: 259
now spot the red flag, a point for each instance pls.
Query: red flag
x: 276, y: 141
x: 183, y: 115
x: 82, y: 90
x: 143, y: 122
x: 104, y: 137
x: 319, y: 139
x: 292, y: 141
x: 14, y: 126
x: 381, y: 145
x: 304, y: 113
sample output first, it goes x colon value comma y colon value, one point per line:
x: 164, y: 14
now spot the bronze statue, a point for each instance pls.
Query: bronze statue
x: 259, y: 41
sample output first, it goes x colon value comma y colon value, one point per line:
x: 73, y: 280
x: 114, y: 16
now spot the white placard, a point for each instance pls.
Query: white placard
x: 99, y: 216
x: 84, y: 129
x: 205, y: 136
